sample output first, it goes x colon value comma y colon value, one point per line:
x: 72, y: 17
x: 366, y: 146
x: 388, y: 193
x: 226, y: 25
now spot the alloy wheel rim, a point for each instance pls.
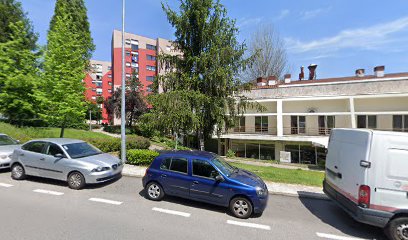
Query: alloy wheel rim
x: 241, y: 207
x: 75, y: 180
x: 154, y: 191
x: 402, y: 231
x: 17, y: 171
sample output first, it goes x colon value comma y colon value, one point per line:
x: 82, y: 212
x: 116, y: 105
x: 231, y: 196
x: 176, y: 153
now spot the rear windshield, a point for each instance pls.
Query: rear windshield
x: 80, y: 150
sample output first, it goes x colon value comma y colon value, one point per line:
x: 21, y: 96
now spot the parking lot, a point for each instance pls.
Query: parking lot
x: 47, y: 209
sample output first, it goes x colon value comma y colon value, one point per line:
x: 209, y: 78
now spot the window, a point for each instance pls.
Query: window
x: 127, y: 75
x: 135, y: 65
x: 127, y: 53
x: 53, y: 150
x: 34, y: 147
x: 98, y: 84
x: 165, y: 165
x: 109, y: 68
x: 135, y: 58
x: 326, y: 124
x: 128, y: 64
x: 109, y: 75
x: 298, y: 124
x: 150, y: 47
x: 261, y: 124
x: 240, y: 125
x: 178, y: 165
x: 81, y: 149
x: 150, y: 78
x: 149, y: 89
x: 110, y: 83
x: 109, y: 91
x: 151, y: 68
x: 400, y: 123
x: 134, y: 47
x: 151, y: 57
x: 127, y: 41
x: 367, y: 121
x: 204, y: 169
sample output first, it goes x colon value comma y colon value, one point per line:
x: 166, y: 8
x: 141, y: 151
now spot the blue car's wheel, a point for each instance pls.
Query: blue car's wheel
x: 241, y: 207
x: 154, y: 191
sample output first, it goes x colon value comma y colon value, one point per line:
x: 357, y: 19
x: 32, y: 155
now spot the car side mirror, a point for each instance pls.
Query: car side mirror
x: 219, y: 178
x: 18, y: 141
x: 59, y: 156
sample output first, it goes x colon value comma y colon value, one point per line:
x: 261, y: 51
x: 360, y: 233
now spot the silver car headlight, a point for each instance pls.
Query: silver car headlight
x: 5, y: 156
x: 260, y: 192
x: 100, y: 169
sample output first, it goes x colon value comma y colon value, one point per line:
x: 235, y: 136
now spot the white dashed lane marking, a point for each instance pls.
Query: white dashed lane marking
x: 162, y: 210
x: 48, y: 192
x: 101, y: 200
x: 5, y: 185
x: 336, y: 237
x: 251, y: 225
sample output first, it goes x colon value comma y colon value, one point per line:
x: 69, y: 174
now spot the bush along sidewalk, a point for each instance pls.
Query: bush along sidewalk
x: 140, y: 157
x: 113, y: 144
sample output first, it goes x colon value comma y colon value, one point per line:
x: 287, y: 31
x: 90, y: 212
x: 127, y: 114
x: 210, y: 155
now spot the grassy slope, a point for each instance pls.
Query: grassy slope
x: 281, y: 175
x: 24, y: 134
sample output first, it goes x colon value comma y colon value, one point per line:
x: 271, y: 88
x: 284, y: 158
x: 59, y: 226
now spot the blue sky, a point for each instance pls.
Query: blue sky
x: 338, y: 35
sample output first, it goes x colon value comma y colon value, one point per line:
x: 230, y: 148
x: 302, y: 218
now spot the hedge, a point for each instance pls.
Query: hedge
x: 141, y: 157
x: 114, y: 144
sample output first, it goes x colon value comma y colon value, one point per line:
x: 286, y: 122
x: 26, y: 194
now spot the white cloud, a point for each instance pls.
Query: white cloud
x: 244, y: 22
x: 373, y: 37
x: 284, y: 13
x: 314, y: 13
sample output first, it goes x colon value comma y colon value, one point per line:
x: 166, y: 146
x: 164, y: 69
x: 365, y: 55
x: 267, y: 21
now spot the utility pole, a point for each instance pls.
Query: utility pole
x: 90, y: 120
x: 123, y: 113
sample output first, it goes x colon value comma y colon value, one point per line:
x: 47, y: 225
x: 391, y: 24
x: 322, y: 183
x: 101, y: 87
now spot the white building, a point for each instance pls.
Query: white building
x: 300, y: 114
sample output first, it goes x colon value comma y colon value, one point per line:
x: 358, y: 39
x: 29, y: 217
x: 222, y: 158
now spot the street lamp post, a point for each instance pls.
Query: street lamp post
x: 123, y: 113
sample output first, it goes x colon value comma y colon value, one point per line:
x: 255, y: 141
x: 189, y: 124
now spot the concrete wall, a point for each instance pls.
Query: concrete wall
x: 381, y: 104
x: 304, y: 106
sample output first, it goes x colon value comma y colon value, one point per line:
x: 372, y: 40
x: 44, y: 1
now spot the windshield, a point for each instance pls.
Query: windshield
x: 6, y: 140
x: 80, y: 150
x: 223, y: 166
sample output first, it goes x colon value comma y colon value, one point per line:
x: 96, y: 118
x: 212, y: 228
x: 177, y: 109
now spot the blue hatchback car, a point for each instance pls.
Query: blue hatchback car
x: 205, y: 177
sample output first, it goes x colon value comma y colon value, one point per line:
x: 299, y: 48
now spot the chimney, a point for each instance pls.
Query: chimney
x: 302, y: 73
x: 379, y: 71
x: 360, y: 72
x: 288, y: 78
x: 272, y: 80
x: 261, y: 82
x: 312, y: 71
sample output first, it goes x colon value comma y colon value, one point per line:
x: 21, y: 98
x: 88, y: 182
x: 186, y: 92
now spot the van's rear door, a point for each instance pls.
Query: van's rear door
x: 347, y: 149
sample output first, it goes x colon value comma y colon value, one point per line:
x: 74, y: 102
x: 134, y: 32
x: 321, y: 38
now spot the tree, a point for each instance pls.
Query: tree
x: 269, y: 54
x: 66, y: 59
x: 135, y: 101
x: 18, y: 77
x: 201, y: 90
x: 96, y: 111
x: 12, y: 12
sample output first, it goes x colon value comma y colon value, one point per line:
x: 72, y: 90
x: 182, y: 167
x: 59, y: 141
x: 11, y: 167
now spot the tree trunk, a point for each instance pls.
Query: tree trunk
x: 201, y: 141
x: 62, y: 130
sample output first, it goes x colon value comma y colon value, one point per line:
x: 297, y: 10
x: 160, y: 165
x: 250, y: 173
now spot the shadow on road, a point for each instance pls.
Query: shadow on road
x: 329, y: 213
x: 196, y: 204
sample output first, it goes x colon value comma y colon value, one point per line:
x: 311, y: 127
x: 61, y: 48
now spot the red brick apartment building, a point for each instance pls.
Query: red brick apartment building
x: 99, y: 83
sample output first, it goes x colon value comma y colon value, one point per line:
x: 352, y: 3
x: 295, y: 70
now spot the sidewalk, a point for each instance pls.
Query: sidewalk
x: 274, y: 188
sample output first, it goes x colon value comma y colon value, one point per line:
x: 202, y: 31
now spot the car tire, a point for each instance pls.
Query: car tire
x: 18, y: 172
x: 76, y: 180
x: 154, y: 191
x: 397, y: 229
x: 241, y: 207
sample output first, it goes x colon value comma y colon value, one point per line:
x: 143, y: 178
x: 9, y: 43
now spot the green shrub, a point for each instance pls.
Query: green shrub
x: 230, y: 153
x: 137, y: 142
x: 114, y: 144
x: 141, y: 157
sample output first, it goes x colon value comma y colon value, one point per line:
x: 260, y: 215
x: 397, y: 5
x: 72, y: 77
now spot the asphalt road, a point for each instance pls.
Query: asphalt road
x: 46, y: 209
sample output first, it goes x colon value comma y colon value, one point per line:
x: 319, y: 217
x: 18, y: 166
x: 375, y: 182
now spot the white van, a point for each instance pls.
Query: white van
x: 367, y: 176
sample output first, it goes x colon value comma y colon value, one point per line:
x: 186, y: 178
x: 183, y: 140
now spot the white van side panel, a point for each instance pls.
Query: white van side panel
x: 391, y: 172
x: 346, y: 149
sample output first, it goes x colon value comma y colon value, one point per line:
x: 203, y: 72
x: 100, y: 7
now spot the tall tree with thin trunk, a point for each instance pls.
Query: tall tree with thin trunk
x: 269, y: 54
x: 200, y: 86
x: 67, y: 55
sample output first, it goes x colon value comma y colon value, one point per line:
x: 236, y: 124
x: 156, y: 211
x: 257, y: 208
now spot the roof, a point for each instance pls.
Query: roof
x: 186, y: 153
x: 59, y: 141
x: 338, y: 79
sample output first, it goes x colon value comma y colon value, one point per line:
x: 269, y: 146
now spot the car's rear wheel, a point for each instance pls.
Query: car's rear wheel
x: 397, y: 229
x: 154, y: 191
x: 76, y: 180
x: 17, y: 172
x: 241, y: 207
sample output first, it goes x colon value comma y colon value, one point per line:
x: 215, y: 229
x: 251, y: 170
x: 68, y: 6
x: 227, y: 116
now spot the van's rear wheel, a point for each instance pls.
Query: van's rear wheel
x: 398, y: 229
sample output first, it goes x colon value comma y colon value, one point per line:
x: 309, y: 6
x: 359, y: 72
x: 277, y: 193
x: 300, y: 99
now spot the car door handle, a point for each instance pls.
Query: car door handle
x: 21, y: 154
x: 163, y: 175
x: 195, y: 182
x: 42, y: 159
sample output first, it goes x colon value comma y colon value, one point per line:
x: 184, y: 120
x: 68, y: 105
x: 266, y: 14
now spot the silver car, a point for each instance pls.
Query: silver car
x: 7, y: 146
x: 74, y: 161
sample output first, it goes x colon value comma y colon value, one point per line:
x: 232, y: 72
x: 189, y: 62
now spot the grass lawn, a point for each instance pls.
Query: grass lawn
x: 281, y: 175
x: 26, y: 133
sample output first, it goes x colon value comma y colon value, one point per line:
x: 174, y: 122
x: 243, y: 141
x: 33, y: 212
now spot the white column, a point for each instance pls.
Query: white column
x: 352, y: 113
x: 279, y: 118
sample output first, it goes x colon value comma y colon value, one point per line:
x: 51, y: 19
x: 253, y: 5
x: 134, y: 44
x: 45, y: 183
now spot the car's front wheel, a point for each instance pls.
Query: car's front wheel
x: 17, y: 172
x: 76, y: 180
x: 154, y: 191
x: 241, y: 207
x: 397, y: 229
